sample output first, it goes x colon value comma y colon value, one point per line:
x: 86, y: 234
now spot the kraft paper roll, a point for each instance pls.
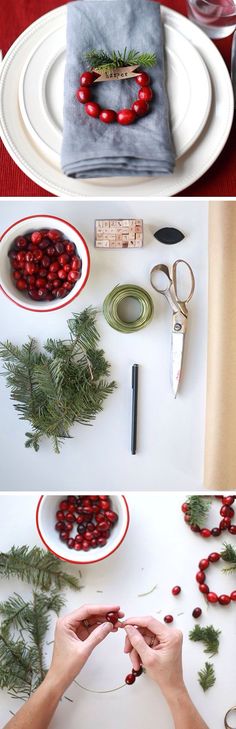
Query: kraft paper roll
x: 220, y: 438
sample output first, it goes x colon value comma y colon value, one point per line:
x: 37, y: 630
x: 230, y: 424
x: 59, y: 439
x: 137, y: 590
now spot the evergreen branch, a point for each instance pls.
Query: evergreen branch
x: 39, y: 568
x: 229, y: 555
x: 206, y: 676
x: 63, y: 385
x: 209, y: 636
x: 198, y: 509
x: 103, y: 61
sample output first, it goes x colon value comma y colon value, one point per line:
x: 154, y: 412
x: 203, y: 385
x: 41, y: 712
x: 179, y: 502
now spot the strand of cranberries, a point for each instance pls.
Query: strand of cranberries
x: 140, y: 107
x: 212, y: 597
x: 131, y: 677
x: 226, y: 511
x: 45, y: 265
x: 85, y: 522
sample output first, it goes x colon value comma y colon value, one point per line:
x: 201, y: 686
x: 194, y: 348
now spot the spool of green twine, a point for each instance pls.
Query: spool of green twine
x: 116, y: 296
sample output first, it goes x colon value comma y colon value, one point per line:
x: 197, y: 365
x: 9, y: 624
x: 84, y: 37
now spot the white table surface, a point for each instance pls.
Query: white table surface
x: 159, y: 549
x: 170, y: 432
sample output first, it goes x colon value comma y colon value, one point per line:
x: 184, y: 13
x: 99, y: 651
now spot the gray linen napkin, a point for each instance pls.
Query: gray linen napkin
x: 91, y: 148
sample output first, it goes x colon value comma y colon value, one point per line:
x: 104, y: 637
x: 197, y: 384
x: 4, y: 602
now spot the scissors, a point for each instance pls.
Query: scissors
x: 230, y: 711
x: 180, y: 313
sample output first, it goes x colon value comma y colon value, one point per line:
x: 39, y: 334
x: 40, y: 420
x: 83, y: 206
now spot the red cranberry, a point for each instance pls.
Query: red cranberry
x: 85, y: 545
x: 233, y: 596
x: 112, y: 618
x: 145, y: 94
x: 168, y: 619
x: 224, y: 599
x: 59, y: 526
x: 129, y: 679
x: 205, y: 533
x: 73, y: 276
x: 70, y: 248
x: 204, y: 588
x: 83, y: 95
x: 36, y: 237
x: 140, y: 108
x: 93, y: 109
x: 200, y: 577
x: 143, y: 79
x: 71, y: 543
x: 64, y: 536
x: 228, y: 500
x: 59, y: 247
x: 203, y: 564
x: 54, y: 234
x: 101, y: 541
x: 108, y: 116
x: 197, y: 612
x: 126, y: 116
x: 212, y: 597
x: 176, y: 590
x: 87, y: 78
x: 215, y: 532
x: 138, y: 672
x: 214, y: 557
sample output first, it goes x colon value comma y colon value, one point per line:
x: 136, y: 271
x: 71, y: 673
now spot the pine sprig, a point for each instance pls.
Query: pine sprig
x: 102, y: 61
x: 209, y: 636
x: 39, y: 568
x: 228, y: 554
x: 198, y: 509
x: 63, y: 385
x: 206, y: 676
x: 22, y: 633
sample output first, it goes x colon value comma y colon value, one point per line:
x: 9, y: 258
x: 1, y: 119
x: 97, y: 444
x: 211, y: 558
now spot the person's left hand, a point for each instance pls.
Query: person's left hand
x: 76, y: 636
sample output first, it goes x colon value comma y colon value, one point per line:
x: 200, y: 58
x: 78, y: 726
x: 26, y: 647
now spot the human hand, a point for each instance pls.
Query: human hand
x: 76, y: 636
x: 158, y: 649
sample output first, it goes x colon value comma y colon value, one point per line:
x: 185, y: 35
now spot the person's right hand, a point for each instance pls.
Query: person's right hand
x: 158, y: 649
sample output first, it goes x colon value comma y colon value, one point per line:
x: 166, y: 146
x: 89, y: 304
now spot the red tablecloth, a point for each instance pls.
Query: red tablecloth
x: 220, y: 180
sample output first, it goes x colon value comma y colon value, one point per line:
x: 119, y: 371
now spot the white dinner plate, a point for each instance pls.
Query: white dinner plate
x: 46, y: 172
x: 42, y: 81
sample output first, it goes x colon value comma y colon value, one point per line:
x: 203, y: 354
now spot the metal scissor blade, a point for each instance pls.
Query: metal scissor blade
x: 177, y: 359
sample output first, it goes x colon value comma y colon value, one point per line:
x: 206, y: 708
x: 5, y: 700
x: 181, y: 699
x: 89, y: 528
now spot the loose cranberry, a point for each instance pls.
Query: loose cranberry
x: 60, y: 515
x: 112, y: 617
x: 44, y: 244
x: 64, y: 258
x: 70, y: 248
x: 16, y: 275
x: 176, y: 590
x: 71, y: 543
x: 59, y: 526
x: 61, y: 273
x: 75, y: 263
x: 102, y: 526
x: 54, y: 267
x: 54, y: 235
x: 73, y: 276
x: 78, y: 547
x: 111, y: 516
x: 63, y: 505
x: 20, y: 242
x: 21, y: 284
x: 64, y: 536
x: 46, y: 261
x: 196, y: 612
x: 101, y: 541
x: 85, y: 545
x: 168, y: 619
x: 59, y: 247
x: 51, y: 251
x: 37, y: 255
x: 36, y: 237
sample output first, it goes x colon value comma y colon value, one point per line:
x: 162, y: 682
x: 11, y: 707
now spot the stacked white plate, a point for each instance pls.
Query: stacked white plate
x: 31, y: 107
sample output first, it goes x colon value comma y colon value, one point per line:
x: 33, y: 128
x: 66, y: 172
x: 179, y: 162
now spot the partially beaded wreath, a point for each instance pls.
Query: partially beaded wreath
x: 196, y: 510
x: 102, y: 63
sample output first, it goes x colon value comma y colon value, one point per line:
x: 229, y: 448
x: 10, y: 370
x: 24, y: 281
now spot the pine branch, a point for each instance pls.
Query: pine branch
x: 39, y: 568
x: 206, y: 676
x: 198, y: 509
x: 15, y: 666
x: 229, y: 555
x: 209, y: 636
x: 63, y: 385
x: 103, y: 61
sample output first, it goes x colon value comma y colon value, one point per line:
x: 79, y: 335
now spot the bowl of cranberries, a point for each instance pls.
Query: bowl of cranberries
x: 44, y: 263
x: 82, y: 528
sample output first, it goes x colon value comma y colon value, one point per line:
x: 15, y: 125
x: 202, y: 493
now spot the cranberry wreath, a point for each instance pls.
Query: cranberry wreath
x: 196, y: 511
x: 228, y: 555
x: 117, y: 66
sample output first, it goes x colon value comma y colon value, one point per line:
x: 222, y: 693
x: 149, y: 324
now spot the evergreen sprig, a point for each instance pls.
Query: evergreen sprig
x: 103, y: 61
x: 198, y: 509
x: 65, y: 384
x: 209, y: 636
x: 228, y: 554
x: 22, y: 633
x: 37, y: 567
x: 206, y: 676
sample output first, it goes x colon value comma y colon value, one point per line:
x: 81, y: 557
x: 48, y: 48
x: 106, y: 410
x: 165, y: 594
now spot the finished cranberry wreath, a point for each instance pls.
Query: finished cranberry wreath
x: 117, y: 66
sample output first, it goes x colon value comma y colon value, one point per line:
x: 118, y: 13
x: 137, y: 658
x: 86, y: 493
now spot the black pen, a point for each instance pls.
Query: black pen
x: 134, y: 408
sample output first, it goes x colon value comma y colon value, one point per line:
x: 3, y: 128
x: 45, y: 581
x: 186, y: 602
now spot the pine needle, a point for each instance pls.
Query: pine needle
x: 39, y: 568
x: 209, y: 636
x: 198, y: 509
x: 103, y: 61
x: 63, y: 385
x: 207, y: 677
x: 228, y: 554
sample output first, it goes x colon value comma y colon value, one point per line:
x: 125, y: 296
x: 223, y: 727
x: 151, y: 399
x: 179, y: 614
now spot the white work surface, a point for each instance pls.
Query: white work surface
x: 170, y: 432
x: 159, y: 549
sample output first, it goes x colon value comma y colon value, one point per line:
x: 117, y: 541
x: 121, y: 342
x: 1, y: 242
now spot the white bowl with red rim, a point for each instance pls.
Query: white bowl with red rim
x: 27, y: 225
x: 47, y: 507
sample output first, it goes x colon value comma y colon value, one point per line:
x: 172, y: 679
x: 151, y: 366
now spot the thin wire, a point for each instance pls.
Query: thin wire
x: 113, y: 300
x: 93, y: 691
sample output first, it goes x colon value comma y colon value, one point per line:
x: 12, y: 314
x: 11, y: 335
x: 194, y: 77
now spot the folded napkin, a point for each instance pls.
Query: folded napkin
x: 91, y: 148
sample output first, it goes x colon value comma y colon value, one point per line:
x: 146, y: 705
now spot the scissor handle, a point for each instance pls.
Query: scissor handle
x: 175, y: 284
x: 165, y: 269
